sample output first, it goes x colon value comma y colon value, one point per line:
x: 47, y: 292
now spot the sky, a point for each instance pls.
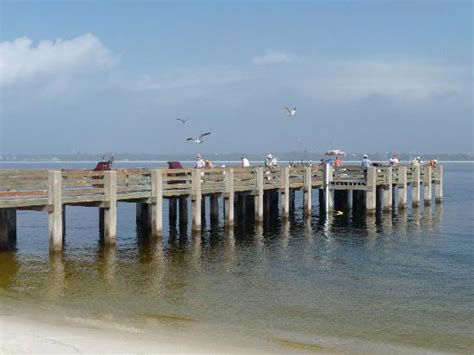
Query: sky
x: 113, y: 76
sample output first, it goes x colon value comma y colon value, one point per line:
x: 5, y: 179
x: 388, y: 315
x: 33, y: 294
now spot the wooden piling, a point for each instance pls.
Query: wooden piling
x: 214, y: 207
x: 402, y: 187
x: 110, y: 212
x: 156, y: 202
x: 229, y: 196
x: 7, y: 228
x: 427, y: 185
x: 172, y: 210
x: 439, y: 184
x: 387, y: 191
x: 55, y: 219
x: 415, y: 186
x: 285, y: 192
x: 371, y: 193
x: 328, y: 178
x: 183, y: 210
x: 196, y: 199
x: 308, y: 189
x: 259, y: 195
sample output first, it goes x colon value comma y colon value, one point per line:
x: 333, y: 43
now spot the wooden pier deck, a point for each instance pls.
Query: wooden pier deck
x: 51, y: 191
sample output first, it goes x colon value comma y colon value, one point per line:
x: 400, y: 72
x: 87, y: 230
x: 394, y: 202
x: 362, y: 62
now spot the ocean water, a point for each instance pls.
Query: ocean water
x: 402, y: 280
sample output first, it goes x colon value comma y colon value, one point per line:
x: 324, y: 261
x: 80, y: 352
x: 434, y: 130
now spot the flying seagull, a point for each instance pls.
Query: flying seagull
x: 290, y: 112
x: 182, y: 121
x: 198, y: 140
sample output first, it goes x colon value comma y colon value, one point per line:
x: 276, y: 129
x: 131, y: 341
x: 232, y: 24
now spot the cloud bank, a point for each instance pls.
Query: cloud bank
x: 20, y: 60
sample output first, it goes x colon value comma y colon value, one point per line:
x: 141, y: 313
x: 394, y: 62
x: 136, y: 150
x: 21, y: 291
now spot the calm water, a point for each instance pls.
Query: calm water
x: 400, y: 279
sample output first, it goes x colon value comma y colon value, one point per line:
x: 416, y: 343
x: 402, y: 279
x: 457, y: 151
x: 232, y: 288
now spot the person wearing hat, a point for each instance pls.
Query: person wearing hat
x: 366, y: 162
x: 271, y: 161
x: 200, y: 163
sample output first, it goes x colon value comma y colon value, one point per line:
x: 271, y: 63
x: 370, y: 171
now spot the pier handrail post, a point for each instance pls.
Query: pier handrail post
x: 308, y: 189
x: 415, y: 186
x: 387, y: 190
x: 439, y: 184
x: 427, y: 184
x: 328, y: 178
x: 371, y: 187
x: 196, y: 199
x: 229, y: 198
x: 259, y: 195
x: 110, y: 211
x: 55, y: 218
x: 285, y: 182
x: 157, y: 202
x: 402, y: 187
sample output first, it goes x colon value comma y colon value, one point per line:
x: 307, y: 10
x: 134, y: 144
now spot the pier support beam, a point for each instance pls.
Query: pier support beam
x: 156, y: 203
x: 183, y: 210
x: 371, y: 192
x: 142, y: 215
x: 402, y: 187
x: 328, y: 198
x: 427, y: 185
x: 308, y: 189
x: 196, y: 199
x: 7, y: 229
x: 214, y: 207
x: 387, y: 191
x: 439, y: 185
x: 285, y: 192
x: 415, y: 187
x: 172, y: 210
x: 259, y: 196
x: 55, y: 209
x: 110, y: 212
x: 229, y: 196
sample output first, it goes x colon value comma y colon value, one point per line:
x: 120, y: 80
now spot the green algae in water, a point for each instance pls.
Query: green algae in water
x: 169, y: 317
x: 299, y: 345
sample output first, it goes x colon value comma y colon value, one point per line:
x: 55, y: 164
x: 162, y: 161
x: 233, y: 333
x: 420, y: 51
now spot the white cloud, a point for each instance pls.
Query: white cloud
x: 21, y: 61
x: 272, y: 57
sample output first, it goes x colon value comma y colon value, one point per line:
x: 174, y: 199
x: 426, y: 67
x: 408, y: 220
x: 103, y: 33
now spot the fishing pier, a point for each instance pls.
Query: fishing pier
x: 257, y: 189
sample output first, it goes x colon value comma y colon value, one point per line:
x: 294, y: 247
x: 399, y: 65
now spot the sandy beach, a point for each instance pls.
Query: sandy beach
x: 26, y: 335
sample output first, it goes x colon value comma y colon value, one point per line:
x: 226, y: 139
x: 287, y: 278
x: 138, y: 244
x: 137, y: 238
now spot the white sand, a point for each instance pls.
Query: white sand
x: 22, y: 335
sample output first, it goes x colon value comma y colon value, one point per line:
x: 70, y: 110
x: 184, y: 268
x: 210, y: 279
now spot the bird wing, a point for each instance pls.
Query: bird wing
x: 179, y: 119
x: 286, y: 108
x: 204, y: 134
x: 190, y: 139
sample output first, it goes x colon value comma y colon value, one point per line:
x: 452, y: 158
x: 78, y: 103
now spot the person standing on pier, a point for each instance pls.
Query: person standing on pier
x: 245, y: 162
x: 200, y: 163
x: 366, y: 162
x: 393, y: 161
x: 337, y: 162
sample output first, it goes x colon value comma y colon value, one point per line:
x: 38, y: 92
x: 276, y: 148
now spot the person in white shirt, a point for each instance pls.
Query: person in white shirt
x: 366, y: 162
x: 393, y: 161
x: 200, y: 163
x: 245, y: 162
x: 271, y: 161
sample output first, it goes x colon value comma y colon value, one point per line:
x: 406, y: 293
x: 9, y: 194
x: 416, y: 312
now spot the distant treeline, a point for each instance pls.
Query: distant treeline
x: 290, y: 156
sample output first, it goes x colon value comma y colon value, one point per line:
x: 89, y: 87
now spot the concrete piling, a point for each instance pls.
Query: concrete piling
x: 55, y: 219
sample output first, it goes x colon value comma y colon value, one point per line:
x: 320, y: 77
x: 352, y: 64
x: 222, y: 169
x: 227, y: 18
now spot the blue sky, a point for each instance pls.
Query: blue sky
x: 96, y: 76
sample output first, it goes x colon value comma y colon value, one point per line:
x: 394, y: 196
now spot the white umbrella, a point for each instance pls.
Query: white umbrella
x: 335, y: 152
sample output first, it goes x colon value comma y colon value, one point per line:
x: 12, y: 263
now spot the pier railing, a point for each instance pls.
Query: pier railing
x: 30, y: 187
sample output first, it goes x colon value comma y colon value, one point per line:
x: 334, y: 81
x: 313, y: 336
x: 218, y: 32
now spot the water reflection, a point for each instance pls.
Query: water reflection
x: 54, y: 288
x: 107, y: 262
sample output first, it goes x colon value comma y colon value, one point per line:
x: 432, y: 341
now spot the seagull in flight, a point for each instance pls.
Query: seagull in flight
x: 182, y: 121
x: 290, y: 112
x: 198, y: 140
